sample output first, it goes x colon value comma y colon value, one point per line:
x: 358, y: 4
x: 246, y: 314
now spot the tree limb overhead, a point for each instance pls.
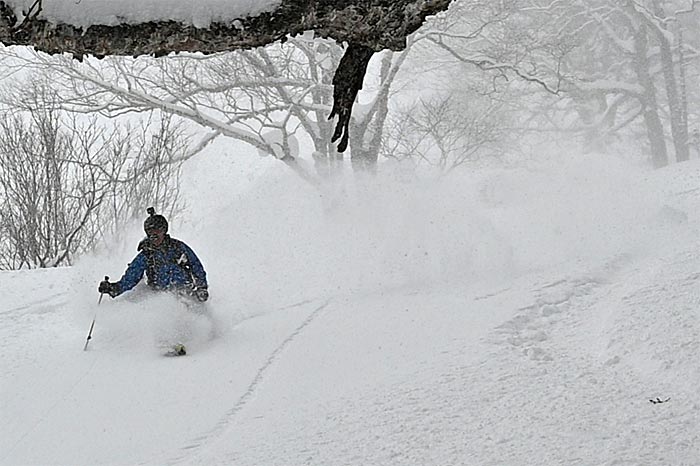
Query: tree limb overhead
x: 366, y: 25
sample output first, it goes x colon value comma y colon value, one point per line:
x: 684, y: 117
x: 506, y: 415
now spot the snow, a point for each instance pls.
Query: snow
x: 506, y: 315
x: 201, y: 14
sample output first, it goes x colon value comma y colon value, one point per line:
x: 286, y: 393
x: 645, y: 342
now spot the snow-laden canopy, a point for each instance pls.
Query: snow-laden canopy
x: 85, y: 13
x: 159, y: 27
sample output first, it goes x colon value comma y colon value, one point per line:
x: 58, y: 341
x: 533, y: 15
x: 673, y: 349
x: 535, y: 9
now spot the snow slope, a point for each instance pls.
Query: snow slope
x: 505, y: 316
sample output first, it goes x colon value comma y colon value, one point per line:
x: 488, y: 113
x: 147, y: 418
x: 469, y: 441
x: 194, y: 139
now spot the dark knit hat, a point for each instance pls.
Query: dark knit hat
x: 155, y: 221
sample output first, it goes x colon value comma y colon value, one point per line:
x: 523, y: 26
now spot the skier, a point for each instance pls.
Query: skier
x: 169, y: 264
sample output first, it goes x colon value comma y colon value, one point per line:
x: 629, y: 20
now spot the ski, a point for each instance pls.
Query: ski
x: 176, y: 350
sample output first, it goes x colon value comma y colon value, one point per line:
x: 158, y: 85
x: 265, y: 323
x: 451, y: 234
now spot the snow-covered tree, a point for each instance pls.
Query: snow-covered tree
x: 627, y: 69
x: 153, y: 28
x: 68, y: 182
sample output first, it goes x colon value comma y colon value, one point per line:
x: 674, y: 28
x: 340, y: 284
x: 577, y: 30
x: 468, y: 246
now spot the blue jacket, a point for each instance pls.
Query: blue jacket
x: 171, y: 265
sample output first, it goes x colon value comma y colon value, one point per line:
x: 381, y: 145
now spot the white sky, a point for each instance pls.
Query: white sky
x: 200, y: 13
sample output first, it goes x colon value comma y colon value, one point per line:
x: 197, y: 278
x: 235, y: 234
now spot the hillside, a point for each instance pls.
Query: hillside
x: 504, y: 316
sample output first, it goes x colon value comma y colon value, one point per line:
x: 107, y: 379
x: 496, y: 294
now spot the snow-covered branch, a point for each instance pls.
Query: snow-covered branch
x: 487, y: 64
x: 132, y: 29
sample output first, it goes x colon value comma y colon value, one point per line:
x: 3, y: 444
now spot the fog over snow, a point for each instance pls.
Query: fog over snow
x: 200, y: 13
x: 506, y: 314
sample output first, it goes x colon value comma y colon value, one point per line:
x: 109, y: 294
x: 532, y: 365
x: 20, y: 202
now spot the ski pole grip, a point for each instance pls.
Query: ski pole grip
x: 100, y: 300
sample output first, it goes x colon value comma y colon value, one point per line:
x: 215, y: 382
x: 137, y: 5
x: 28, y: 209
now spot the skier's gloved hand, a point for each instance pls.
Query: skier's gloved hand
x: 112, y: 289
x: 201, y: 293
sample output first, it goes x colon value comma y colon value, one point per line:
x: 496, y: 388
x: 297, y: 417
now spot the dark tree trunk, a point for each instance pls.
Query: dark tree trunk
x: 655, y: 130
x: 367, y: 132
x: 679, y: 130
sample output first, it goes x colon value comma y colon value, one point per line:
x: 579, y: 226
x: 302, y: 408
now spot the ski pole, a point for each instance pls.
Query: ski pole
x: 89, y: 337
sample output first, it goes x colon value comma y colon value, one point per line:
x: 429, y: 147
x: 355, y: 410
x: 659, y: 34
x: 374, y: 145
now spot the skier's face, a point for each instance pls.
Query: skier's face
x: 156, y: 236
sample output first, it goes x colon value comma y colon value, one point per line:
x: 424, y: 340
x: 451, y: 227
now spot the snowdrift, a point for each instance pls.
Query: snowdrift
x: 504, y: 316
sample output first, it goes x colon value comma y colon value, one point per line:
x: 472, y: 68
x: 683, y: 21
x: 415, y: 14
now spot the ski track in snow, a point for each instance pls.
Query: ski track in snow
x: 42, y: 305
x: 542, y: 390
x: 587, y: 384
x: 196, y: 444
